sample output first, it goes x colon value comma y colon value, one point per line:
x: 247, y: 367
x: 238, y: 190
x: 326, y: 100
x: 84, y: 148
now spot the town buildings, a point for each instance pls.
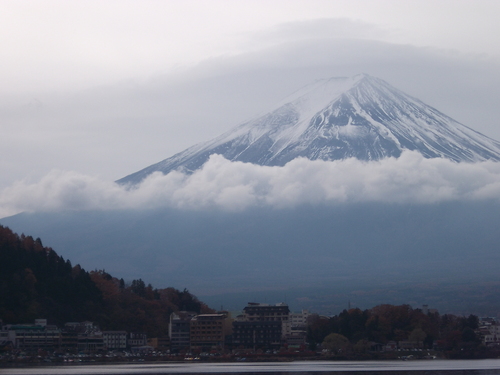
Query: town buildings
x: 490, y: 332
x: 261, y: 326
x: 73, y: 337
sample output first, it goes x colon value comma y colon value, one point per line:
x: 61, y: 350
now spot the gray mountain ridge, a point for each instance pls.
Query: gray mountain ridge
x: 333, y: 119
x: 320, y: 256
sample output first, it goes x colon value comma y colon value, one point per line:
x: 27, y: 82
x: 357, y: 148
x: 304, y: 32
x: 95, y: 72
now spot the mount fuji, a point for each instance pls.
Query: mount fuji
x: 314, y: 256
x: 362, y: 117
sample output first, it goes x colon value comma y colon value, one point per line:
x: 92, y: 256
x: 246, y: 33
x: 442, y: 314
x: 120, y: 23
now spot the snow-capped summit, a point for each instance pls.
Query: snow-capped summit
x: 337, y: 118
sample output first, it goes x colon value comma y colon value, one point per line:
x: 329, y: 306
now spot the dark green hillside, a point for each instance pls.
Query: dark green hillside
x: 35, y: 282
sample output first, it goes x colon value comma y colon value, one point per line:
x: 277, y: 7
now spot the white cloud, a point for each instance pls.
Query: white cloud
x: 227, y: 185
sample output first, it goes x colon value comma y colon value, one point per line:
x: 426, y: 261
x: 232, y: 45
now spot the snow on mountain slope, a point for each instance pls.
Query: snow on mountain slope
x: 338, y: 118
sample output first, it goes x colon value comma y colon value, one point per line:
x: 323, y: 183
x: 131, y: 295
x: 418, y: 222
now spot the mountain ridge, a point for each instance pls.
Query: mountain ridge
x: 333, y: 119
x: 340, y: 249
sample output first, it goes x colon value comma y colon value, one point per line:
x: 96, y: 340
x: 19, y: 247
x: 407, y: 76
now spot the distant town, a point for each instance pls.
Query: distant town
x: 261, y: 332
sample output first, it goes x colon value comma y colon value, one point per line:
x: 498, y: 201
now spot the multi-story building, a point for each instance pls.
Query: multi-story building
x: 179, y: 330
x: 85, y: 327
x: 86, y: 335
x: 115, y: 340
x: 299, y: 319
x: 207, y: 331
x: 264, y: 312
x: 296, y: 330
x: 256, y: 334
x: 33, y: 337
x: 90, y: 342
x: 490, y: 334
x: 137, y: 339
x: 262, y: 325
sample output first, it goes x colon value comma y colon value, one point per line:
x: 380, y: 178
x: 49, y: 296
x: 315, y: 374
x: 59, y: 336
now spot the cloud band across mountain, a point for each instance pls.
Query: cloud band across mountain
x: 226, y: 185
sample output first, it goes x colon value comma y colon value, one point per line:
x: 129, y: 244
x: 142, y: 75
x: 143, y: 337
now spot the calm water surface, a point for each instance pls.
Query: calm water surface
x: 431, y: 367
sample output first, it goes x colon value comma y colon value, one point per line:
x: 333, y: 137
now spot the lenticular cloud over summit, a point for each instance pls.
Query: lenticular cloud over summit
x: 235, y: 186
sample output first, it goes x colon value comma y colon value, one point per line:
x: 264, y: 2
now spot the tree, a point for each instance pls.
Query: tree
x: 468, y: 335
x: 138, y: 287
x: 317, y: 329
x: 362, y: 346
x: 417, y: 336
x: 335, y: 342
x: 473, y: 322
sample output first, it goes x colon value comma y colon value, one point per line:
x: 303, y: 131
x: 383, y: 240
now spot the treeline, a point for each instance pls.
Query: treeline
x: 35, y: 282
x: 356, y: 330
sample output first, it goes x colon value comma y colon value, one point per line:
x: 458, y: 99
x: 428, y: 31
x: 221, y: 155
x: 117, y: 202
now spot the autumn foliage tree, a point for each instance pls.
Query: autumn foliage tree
x: 140, y: 307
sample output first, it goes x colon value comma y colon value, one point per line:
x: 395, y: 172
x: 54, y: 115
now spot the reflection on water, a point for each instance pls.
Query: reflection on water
x: 434, y: 367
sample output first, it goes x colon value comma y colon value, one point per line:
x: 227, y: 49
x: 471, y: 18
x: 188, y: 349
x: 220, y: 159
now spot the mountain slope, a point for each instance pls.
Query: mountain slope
x: 362, y: 117
x: 35, y: 281
x: 406, y: 250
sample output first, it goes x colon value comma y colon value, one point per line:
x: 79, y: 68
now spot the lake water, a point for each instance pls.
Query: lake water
x: 430, y: 367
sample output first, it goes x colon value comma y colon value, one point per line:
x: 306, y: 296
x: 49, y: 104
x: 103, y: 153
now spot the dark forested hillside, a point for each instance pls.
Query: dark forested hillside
x: 35, y: 282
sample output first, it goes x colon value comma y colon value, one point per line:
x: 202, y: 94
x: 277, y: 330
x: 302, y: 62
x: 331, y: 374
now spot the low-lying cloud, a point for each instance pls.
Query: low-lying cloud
x: 236, y: 186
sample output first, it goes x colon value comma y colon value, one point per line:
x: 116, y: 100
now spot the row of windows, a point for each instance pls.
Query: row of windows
x: 256, y: 319
x: 257, y: 329
x: 32, y: 335
x: 35, y: 341
x: 267, y: 313
x: 205, y: 326
x: 260, y: 334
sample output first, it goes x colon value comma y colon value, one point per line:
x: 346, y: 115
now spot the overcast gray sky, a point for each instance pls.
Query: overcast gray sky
x: 105, y: 88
